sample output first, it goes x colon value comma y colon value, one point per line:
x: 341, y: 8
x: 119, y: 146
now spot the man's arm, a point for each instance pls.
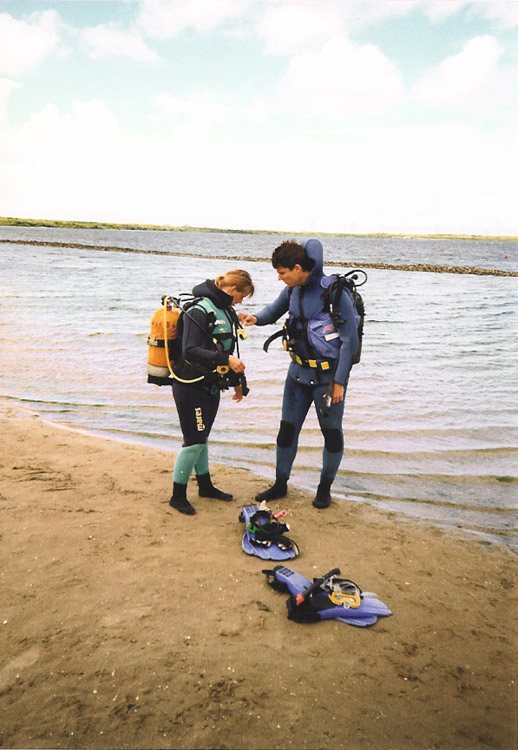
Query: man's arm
x: 268, y: 314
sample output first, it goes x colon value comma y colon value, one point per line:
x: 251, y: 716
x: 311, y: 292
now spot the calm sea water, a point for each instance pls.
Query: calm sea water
x: 430, y: 427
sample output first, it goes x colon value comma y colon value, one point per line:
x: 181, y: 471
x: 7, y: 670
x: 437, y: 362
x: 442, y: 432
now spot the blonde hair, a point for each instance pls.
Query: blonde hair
x: 238, y: 278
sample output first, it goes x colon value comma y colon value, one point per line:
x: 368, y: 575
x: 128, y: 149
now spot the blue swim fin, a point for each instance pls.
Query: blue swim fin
x: 265, y: 535
x: 327, y: 598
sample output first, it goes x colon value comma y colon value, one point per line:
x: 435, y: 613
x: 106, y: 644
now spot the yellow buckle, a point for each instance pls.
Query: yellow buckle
x: 324, y: 365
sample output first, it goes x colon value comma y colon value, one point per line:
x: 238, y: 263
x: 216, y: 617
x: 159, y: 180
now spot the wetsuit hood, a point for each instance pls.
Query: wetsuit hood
x: 209, y: 289
x: 315, y: 251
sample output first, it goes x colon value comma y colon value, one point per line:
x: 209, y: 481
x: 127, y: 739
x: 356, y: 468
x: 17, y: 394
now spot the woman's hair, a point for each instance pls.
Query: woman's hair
x: 289, y: 253
x: 238, y: 278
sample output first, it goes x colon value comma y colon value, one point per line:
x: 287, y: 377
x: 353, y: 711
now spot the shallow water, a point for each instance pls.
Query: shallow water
x: 430, y: 426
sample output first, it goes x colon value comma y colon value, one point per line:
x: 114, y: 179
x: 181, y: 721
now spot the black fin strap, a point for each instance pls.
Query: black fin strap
x: 274, y: 583
x: 266, y: 534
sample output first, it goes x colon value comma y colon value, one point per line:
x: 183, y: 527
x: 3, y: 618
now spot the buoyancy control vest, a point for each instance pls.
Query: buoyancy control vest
x: 318, y: 336
x: 166, y: 358
x: 222, y: 324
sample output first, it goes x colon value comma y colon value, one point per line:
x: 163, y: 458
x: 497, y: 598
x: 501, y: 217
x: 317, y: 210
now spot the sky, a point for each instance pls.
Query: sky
x: 347, y: 116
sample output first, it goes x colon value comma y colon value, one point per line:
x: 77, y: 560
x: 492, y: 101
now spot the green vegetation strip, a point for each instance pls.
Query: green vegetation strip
x: 8, y: 221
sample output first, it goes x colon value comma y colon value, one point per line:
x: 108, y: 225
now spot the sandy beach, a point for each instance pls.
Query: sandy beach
x: 127, y: 625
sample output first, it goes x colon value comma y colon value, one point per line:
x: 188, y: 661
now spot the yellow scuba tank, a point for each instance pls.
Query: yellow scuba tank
x: 164, y: 324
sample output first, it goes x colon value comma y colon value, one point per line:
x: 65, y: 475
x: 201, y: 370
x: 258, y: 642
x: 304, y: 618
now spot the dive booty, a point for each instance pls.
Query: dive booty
x: 265, y: 535
x: 276, y: 491
x: 207, y: 489
x: 323, y: 496
x: 179, y: 500
x: 327, y: 598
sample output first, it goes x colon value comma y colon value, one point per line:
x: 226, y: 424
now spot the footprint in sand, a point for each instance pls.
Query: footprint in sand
x: 10, y: 672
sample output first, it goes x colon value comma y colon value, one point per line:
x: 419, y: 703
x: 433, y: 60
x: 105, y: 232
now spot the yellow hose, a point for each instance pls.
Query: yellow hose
x: 166, y: 344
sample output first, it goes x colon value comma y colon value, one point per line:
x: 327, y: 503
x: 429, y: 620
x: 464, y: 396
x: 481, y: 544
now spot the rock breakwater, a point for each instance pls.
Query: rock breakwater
x: 422, y: 267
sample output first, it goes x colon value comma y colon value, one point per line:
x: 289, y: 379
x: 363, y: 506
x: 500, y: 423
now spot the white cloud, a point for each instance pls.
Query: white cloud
x: 296, y: 25
x: 343, y: 80
x: 288, y: 26
x: 54, y: 142
x: 199, y: 112
x: 80, y: 164
x: 503, y: 14
x: 367, y: 12
x: 163, y: 19
x: 440, y: 10
x: 471, y: 78
x: 395, y: 180
x: 7, y: 86
x: 109, y: 40
x: 25, y: 44
x: 291, y: 27
x: 71, y: 163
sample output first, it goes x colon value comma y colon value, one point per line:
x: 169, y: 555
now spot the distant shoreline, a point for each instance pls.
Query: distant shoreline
x: 58, y: 224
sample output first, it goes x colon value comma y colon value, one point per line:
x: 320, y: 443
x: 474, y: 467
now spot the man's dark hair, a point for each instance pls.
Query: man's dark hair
x: 289, y: 253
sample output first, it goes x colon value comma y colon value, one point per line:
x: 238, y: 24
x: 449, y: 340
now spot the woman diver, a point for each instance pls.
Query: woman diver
x: 207, y: 366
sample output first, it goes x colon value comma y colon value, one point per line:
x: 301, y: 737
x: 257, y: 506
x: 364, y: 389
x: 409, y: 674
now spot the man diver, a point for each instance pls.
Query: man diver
x: 322, y: 355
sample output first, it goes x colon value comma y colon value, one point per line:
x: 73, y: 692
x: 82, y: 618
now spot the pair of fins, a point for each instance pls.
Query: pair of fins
x: 327, y: 598
x: 265, y: 534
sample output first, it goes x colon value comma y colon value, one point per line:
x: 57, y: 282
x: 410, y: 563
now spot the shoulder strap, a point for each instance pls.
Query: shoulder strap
x: 192, y: 303
x: 207, y: 305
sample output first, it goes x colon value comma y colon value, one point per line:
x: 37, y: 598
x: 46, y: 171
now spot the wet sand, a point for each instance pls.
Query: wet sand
x: 127, y: 625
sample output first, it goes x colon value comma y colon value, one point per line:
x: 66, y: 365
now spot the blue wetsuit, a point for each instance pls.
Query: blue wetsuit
x: 315, y: 341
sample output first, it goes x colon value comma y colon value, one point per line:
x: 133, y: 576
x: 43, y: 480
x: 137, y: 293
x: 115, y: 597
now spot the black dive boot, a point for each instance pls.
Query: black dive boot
x: 179, y: 500
x: 323, y: 496
x: 207, y: 489
x: 277, y: 490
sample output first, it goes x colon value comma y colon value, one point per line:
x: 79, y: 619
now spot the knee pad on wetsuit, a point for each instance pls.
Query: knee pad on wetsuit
x: 334, y: 439
x: 286, y: 434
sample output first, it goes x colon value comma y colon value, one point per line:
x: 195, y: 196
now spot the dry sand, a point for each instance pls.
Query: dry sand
x: 127, y: 625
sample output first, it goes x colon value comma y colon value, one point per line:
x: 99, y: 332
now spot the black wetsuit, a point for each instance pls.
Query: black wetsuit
x: 208, y: 339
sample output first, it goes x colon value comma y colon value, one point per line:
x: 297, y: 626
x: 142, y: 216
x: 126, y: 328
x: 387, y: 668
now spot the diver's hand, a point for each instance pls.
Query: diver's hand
x: 238, y: 394
x: 247, y: 319
x: 338, y: 393
x: 236, y: 365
